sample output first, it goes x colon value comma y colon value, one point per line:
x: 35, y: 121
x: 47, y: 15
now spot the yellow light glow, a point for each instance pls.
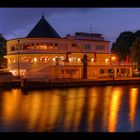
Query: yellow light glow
x: 14, y: 72
x: 69, y: 108
x: 35, y: 59
x: 8, y: 60
x: 114, y: 109
x: 69, y: 59
x: 54, y: 59
x: 106, y: 60
x: 92, y: 106
x: 133, y: 103
x: 106, y: 106
x: 78, y: 109
x: 79, y: 59
x: 113, y: 58
x: 92, y: 59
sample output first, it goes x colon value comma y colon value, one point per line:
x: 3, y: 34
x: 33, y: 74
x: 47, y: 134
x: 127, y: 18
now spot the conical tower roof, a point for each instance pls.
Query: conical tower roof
x: 43, y: 30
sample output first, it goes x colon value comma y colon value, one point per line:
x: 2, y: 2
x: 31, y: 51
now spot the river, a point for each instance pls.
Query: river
x: 84, y: 109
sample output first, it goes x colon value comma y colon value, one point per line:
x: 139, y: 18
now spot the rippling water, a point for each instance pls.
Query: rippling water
x: 91, y: 109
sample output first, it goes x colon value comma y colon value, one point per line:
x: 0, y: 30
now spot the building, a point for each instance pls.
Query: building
x: 44, y: 54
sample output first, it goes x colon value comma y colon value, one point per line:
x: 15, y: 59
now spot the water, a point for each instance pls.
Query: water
x: 86, y: 109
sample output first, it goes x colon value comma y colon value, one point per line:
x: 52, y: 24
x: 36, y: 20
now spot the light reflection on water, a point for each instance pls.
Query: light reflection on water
x: 87, y: 109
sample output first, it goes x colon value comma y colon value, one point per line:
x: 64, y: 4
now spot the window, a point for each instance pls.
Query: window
x: 100, y: 47
x: 13, y: 48
x: 87, y: 46
x: 32, y: 44
x: 25, y: 46
x: 101, y: 71
x: 62, y: 71
x: 74, y: 45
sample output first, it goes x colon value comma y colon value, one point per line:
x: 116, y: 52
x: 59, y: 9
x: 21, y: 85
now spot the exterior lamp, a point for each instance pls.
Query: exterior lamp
x: 53, y: 59
x: 92, y: 60
x: 35, y: 59
x: 69, y: 59
x: 79, y: 59
x: 113, y: 58
x: 106, y: 60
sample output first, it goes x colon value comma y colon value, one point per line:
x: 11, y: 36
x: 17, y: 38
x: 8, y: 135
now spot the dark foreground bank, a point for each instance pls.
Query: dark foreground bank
x: 43, y: 84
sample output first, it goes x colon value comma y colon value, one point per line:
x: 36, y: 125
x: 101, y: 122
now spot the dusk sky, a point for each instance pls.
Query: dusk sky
x: 18, y: 22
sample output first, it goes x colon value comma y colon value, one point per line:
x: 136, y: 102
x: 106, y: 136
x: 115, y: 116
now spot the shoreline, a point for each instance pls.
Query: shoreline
x: 49, y: 84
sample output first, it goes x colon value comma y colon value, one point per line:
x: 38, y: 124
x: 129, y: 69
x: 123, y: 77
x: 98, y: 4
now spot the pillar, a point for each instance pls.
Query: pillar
x: 130, y: 72
x: 98, y: 72
x: 115, y: 72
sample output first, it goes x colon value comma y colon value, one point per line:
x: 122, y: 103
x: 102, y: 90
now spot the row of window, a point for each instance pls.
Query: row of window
x: 102, y: 71
x: 51, y: 46
x: 26, y: 47
x: 69, y: 71
x: 88, y: 46
x: 39, y: 46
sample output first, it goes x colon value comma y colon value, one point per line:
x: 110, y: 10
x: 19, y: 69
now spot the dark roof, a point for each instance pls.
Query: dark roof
x: 43, y: 30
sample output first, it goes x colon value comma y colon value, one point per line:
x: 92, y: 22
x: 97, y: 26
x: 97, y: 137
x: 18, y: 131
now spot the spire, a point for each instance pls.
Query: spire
x: 43, y: 29
x: 42, y: 15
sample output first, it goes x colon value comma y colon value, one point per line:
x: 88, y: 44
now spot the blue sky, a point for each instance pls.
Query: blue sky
x: 18, y: 22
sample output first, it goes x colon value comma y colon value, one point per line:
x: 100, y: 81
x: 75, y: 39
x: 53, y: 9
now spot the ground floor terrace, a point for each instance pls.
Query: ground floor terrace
x: 76, y: 72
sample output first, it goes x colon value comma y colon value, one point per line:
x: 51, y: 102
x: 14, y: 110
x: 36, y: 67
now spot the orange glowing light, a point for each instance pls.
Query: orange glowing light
x: 113, y: 58
x: 114, y: 109
x: 133, y: 104
x: 106, y: 60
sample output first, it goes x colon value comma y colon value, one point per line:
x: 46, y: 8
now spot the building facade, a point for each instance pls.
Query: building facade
x: 44, y: 54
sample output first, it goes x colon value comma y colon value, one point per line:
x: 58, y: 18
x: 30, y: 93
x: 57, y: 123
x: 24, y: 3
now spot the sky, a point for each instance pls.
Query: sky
x: 18, y: 22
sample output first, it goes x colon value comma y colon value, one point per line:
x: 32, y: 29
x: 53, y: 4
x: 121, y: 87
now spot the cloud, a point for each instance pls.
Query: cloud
x: 25, y: 18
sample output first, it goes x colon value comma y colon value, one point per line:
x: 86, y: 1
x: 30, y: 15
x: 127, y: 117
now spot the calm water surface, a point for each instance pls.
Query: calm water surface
x: 90, y: 109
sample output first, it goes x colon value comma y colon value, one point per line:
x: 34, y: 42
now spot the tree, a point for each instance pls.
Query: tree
x: 122, y: 45
x: 137, y: 34
x: 135, y: 51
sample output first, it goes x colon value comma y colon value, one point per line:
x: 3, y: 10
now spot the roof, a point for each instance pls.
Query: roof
x: 43, y: 29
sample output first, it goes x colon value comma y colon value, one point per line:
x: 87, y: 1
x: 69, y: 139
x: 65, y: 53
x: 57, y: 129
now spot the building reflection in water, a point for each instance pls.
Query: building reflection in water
x: 92, y: 104
x: 10, y: 107
x: 107, y: 95
x: 114, y: 108
x: 73, y: 109
x: 78, y: 108
x: 38, y: 111
x: 68, y: 102
x: 133, y: 103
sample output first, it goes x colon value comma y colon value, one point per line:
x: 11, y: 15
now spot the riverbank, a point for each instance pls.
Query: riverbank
x: 42, y: 84
x: 61, y: 83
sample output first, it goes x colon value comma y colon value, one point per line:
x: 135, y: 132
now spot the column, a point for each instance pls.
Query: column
x: 130, y: 72
x: 98, y: 72
x: 115, y: 72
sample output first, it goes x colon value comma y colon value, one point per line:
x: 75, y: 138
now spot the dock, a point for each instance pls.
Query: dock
x: 59, y: 83
x: 63, y: 83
